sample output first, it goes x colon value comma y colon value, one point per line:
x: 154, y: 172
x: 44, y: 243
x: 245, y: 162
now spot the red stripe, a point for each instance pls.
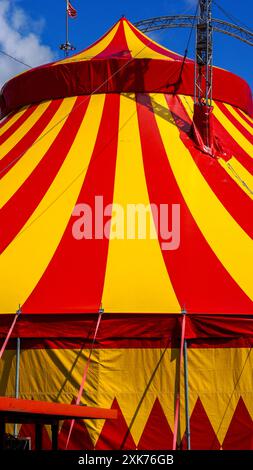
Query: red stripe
x: 27, y: 141
x: 234, y: 121
x: 126, y: 331
x: 243, y: 116
x: 199, y: 279
x: 118, y: 46
x: 128, y: 343
x: 73, y: 281
x: 233, y: 198
x: 19, y: 208
x: 17, y: 123
x: 149, y: 43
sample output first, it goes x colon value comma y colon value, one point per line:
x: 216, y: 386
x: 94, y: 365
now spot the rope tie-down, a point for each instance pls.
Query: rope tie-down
x: 18, y: 313
x: 85, y: 373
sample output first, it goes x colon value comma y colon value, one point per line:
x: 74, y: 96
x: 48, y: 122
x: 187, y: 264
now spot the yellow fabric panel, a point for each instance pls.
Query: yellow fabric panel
x: 226, y: 238
x: 21, y: 170
x: 138, y: 49
x: 239, y: 118
x: 12, y: 120
x: 94, y: 50
x: 136, y: 278
x: 219, y: 377
x: 24, y: 261
x: 23, y: 129
x: 136, y: 377
x: 233, y: 131
x: 239, y: 174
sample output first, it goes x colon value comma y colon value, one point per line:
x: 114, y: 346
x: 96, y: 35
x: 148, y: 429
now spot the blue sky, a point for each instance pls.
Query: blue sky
x: 47, y: 27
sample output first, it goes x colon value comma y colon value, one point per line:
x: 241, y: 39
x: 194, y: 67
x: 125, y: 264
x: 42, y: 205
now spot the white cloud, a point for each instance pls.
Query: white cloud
x: 20, y: 37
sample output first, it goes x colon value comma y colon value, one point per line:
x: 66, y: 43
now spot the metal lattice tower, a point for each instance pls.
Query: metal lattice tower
x: 204, y: 54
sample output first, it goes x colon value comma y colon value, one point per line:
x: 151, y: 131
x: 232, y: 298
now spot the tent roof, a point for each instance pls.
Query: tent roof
x: 124, y: 148
x: 123, y: 60
x: 124, y: 40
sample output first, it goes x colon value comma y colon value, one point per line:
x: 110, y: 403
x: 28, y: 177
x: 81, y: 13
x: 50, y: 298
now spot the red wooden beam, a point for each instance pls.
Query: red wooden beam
x: 13, y: 409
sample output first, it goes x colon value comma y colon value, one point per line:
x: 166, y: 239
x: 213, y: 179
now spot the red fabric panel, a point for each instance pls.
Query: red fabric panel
x: 157, y: 434
x: 115, y: 76
x: 115, y: 433
x: 126, y: 343
x: 240, y: 432
x: 80, y: 438
x: 20, y: 207
x: 74, y: 278
x: 203, y: 436
x: 219, y: 326
x: 196, y: 293
x: 203, y: 127
x: 156, y: 327
x: 28, y: 430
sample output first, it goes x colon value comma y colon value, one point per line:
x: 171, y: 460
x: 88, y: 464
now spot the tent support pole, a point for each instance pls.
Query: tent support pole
x: 17, y: 380
x: 186, y: 388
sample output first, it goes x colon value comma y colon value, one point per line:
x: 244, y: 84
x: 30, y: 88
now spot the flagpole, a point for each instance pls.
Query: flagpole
x: 66, y: 47
x: 67, y: 28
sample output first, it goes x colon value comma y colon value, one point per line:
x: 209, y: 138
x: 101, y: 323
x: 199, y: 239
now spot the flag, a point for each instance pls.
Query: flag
x: 71, y: 11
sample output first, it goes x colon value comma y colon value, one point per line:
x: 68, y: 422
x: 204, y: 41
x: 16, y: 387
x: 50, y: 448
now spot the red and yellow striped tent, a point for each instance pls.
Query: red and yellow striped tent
x: 115, y: 121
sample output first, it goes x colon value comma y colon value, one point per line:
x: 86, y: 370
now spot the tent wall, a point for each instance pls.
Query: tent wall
x: 141, y: 383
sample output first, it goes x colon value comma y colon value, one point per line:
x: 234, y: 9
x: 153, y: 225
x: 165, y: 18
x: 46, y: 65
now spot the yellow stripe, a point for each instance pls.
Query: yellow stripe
x: 24, y: 261
x: 136, y: 277
x: 23, y: 129
x: 187, y: 102
x: 12, y: 120
x: 157, y: 44
x: 247, y: 116
x: 16, y: 176
x: 138, y: 49
x: 233, y: 131
x: 226, y: 238
x: 93, y: 51
x: 239, y: 118
x: 239, y: 174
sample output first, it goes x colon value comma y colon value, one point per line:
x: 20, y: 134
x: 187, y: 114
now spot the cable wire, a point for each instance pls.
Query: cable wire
x: 15, y: 58
x: 231, y: 17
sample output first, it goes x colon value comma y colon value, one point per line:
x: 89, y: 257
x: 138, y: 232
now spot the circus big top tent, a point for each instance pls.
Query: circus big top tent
x: 115, y: 121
